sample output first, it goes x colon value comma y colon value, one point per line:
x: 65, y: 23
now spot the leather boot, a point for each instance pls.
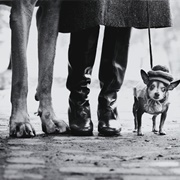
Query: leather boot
x: 82, y: 51
x: 111, y: 75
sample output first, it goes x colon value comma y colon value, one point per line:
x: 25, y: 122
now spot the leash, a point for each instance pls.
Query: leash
x: 149, y: 35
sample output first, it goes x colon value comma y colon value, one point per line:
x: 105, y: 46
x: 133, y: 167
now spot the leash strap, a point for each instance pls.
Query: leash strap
x: 149, y: 35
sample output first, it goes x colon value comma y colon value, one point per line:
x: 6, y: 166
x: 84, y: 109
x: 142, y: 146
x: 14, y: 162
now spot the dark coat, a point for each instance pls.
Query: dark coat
x: 80, y: 14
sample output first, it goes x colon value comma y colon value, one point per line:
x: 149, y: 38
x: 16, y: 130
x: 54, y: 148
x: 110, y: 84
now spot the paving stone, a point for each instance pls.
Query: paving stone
x: 73, y: 151
x: 134, y: 165
x: 25, y: 160
x: 34, y: 176
x: 22, y: 175
x: 23, y: 166
x: 78, y: 139
x: 101, y: 170
x: 149, y: 177
x: 90, y: 157
x: 164, y: 164
x: 21, y: 153
x: 9, y: 174
x: 26, y: 141
x: 80, y: 178
x: 15, y: 148
x: 10, y: 171
x: 175, y: 170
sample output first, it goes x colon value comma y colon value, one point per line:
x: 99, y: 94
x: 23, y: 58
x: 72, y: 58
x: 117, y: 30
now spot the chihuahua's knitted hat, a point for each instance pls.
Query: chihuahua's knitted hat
x: 160, y: 73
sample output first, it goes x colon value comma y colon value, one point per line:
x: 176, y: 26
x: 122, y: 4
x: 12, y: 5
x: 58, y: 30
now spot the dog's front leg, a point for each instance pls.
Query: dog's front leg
x: 139, y: 122
x: 20, y: 20
x: 154, y: 129
x: 48, y: 26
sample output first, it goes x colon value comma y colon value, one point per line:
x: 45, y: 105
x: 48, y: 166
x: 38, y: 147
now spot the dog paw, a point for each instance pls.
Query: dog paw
x: 21, y: 130
x: 140, y: 134
x: 51, y: 125
x: 55, y: 127
x: 155, y: 131
x: 162, y: 133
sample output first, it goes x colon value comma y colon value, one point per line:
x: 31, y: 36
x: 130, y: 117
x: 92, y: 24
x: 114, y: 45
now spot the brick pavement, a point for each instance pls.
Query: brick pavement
x: 127, y: 157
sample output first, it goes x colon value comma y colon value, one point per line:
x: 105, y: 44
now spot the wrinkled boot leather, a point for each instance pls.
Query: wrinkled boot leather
x: 111, y: 75
x: 109, y: 124
x: 82, y: 51
x: 80, y: 119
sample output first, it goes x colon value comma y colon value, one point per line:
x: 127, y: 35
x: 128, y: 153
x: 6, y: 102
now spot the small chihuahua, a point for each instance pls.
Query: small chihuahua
x: 152, y: 98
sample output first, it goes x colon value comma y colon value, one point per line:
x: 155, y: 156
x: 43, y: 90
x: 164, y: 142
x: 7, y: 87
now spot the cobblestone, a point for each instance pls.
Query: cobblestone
x: 25, y: 160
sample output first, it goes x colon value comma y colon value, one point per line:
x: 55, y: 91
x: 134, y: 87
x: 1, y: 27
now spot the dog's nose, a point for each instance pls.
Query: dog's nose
x: 156, y: 95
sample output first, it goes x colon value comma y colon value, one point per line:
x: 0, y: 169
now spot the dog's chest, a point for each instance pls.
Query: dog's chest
x: 148, y: 105
x: 153, y: 107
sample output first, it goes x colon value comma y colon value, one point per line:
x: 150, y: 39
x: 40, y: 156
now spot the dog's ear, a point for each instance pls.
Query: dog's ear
x: 145, y: 77
x: 173, y: 85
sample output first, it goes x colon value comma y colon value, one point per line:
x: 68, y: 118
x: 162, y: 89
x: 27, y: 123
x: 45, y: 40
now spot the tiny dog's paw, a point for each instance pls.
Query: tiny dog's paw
x: 155, y: 131
x: 162, y: 133
x: 22, y: 130
x: 140, y: 134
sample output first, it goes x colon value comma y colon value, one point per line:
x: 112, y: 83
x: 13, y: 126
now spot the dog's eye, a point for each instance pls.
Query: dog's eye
x: 163, y: 89
x: 152, y: 87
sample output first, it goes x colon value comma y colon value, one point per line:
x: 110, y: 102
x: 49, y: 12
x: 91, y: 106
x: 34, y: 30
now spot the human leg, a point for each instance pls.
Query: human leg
x: 82, y: 51
x: 111, y: 75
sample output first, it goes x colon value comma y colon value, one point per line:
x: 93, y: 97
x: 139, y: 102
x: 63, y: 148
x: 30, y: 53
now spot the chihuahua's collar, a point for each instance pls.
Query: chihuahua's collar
x: 151, y: 106
x: 155, y: 107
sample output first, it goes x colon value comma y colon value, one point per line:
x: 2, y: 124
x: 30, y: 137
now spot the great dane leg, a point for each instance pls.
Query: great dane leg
x: 48, y: 24
x: 20, y: 20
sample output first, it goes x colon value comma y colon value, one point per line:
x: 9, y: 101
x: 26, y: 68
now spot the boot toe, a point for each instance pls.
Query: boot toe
x: 82, y: 130
x: 109, y: 128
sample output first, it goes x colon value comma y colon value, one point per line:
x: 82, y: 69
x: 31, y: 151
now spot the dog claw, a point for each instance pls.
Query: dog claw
x: 55, y: 127
x: 36, y: 97
x: 38, y: 114
x: 22, y: 130
x: 50, y: 124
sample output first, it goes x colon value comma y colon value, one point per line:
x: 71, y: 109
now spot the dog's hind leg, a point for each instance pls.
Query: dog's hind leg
x: 47, y: 24
x: 20, y: 21
x: 135, y: 108
x: 139, y: 123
